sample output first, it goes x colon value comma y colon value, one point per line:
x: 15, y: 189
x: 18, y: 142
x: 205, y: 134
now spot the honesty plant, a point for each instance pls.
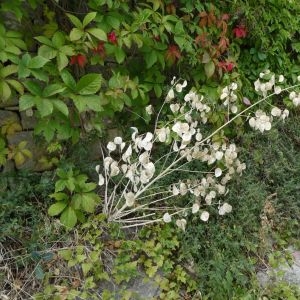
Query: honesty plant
x: 131, y: 177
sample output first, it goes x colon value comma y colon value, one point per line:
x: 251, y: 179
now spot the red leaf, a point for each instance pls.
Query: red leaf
x: 112, y: 38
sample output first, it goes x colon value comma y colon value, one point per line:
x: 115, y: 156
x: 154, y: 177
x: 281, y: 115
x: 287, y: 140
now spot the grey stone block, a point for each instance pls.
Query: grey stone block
x: 7, y: 116
x: 10, y: 102
x: 28, y: 122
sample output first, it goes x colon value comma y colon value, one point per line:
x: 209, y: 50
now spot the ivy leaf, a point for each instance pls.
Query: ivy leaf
x: 68, y: 217
x: 89, y: 84
x: 56, y: 208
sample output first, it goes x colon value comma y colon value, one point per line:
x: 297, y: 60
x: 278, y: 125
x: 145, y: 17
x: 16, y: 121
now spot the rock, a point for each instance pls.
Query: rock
x: 7, y: 117
x: 28, y: 122
x: 10, y: 102
x: 32, y: 146
x: 289, y: 274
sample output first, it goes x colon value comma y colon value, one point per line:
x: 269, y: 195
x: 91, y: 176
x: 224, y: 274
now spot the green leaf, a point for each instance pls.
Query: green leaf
x: 150, y: 59
x: 68, y: 217
x: 59, y: 196
x: 76, y: 34
x: 44, y: 106
x: 76, y: 22
x: 89, y: 18
x: 47, y: 52
x: 58, y: 39
x: 53, y: 89
x: 209, y: 69
x: 113, y: 22
x: 86, y: 267
x: 84, y: 103
x: 5, y: 91
x: 16, y: 85
x: 33, y: 87
x: 120, y: 55
x: 39, y: 273
x: 37, y: 62
x: 68, y: 80
x: 8, y: 70
x: 62, y: 61
x: 89, y: 84
x: 180, y: 41
x: 66, y: 254
x: 44, y: 40
x: 97, y: 33
x: 56, y: 208
x: 61, y: 106
x: 26, y: 102
x: 67, y: 50
x: 39, y: 74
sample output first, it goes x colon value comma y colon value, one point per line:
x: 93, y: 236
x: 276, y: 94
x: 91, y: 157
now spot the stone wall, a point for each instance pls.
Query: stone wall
x: 9, y: 114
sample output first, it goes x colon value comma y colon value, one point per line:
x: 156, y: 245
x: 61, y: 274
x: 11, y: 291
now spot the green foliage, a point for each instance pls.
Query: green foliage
x: 74, y: 197
x: 22, y: 205
x: 226, y: 252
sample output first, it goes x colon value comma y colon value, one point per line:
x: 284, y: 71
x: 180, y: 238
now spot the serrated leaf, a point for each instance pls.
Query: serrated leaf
x: 37, y: 62
x: 209, y: 69
x: 62, y: 61
x: 76, y: 34
x: 58, y: 39
x: 68, y: 80
x: 5, y: 91
x: 26, y: 102
x: 61, y: 106
x: 59, y: 196
x: 44, y: 40
x: 40, y: 74
x: 75, y: 21
x: 97, y: 33
x: 56, y: 208
x: 89, y: 84
x: 120, y: 55
x: 66, y: 254
x: 68, y: 217
x: 89, y: 18
x: 86, y: 267
x: 16, y: 85
x: 52, y: 89
x: 33, y: 87
x: 44, y: 106
x: 47, y: 52
x: 150, y: 59
x: 8, y: 70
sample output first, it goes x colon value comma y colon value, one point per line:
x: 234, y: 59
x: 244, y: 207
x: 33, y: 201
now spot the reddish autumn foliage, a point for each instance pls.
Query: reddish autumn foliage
x: 240, y: 31
x: 79, y: 60
x: 112, y: 38
x: 226, y: 66
x: 100, y: 50
x: 173, y: 53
